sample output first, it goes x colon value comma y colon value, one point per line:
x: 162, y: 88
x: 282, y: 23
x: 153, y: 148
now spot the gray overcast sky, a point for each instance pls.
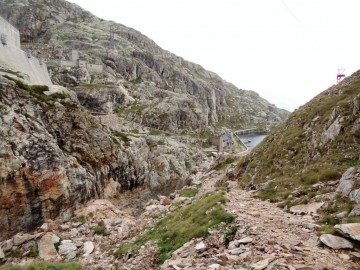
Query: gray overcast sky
x: 286, y: 50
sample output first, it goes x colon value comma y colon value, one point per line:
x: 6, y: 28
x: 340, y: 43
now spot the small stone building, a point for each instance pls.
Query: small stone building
x: 222, y: 141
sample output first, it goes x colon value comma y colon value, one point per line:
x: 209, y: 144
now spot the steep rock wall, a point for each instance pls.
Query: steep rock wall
x: 54, y: 155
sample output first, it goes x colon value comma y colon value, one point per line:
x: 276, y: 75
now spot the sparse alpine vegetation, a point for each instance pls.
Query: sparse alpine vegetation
x: 303, y: 159
x: 181, y: 226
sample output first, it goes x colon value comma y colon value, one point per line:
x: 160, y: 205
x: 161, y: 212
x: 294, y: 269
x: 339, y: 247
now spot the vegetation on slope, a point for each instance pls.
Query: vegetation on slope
x: 316, y: 144
x: 45, y: 266
x: 182, y: 225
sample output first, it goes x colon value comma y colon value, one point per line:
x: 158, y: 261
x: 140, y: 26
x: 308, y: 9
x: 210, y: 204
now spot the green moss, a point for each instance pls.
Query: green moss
x: 34, y: 251
x: 92, y: 86
x: 155, y: 132
x: 81, y: 219
x: 123, y: 136
x: 131, y: 109
x: 223, y: 165
x: 354, y: 219
x: 16, y: 73
x: 38, y: 90
x: 182, y: 225
x: 138, y: 80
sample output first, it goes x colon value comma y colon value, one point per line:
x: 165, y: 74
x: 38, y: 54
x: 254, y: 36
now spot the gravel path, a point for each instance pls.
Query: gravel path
x: 288, y: 240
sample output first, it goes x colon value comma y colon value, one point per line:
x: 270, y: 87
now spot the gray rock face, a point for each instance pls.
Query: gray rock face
x: 88, y: 248
x: 355, y: 211
x: 71, y: 77
x: 346, y: 182
x: 103, y: 99
x: 335, y: 242
x: 68, y: 249
x: 53, y: 154
x: 332, y: 132
x: 351, y: 230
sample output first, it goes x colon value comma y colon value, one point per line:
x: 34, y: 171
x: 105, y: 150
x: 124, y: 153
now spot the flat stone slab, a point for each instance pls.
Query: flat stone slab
x: 306, y: 208
x: 335, y: 242
x: 351, y: 230
x: 88, y: 248
x: 245, y: 240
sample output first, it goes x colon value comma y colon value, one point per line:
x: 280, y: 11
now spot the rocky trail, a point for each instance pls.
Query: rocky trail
x: 266, y: 237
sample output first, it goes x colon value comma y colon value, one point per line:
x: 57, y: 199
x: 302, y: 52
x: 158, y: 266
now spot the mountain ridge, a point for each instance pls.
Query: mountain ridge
x: 131, y: 56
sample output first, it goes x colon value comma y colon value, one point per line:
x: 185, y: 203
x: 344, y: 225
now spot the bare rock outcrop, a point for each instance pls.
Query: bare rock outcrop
x: 53, y: 155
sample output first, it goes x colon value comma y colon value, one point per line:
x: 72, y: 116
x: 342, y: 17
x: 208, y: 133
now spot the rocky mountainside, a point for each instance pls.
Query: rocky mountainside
x: 304, y: 158
x: 55, y: 155
x: 167, y: 92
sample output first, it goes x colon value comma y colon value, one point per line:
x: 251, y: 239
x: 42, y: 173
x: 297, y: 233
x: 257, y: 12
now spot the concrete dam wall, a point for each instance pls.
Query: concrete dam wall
x: 12, y: 57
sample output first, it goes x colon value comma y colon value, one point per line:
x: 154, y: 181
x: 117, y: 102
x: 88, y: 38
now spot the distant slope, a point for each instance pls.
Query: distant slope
x: 316, y: 145
x: 174, y: 94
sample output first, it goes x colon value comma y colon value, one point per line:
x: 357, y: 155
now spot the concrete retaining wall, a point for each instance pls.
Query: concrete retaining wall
x: 12, y: 57
x: 11, y: 33
x: 17, y: 59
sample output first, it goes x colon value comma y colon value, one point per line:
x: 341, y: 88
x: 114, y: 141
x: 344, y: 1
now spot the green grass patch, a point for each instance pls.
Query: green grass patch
x: 45, y: 266
x: 92, y: 86
x: 16, y: 73
x: 182, y: 225
x: 123, y: 136
x: 37, y: 90
x: 155, y: 132
x: 223, y: 165
x: 189, y: 192
x: 354, y: 219
x: 131, y: 109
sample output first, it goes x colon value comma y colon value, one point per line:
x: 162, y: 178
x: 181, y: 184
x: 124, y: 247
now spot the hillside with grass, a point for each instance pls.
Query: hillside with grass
x: 303, y: 159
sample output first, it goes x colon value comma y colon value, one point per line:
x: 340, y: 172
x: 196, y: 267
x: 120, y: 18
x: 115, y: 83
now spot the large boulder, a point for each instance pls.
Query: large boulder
x: 47, y: 250
x: 351, y: 230
x: 335, y: 242
x: 346, y: 182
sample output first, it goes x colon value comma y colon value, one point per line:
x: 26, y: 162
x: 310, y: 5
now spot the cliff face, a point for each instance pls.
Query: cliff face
x: 178, y: 91
x: 306, y: 155
x: 54, y: 155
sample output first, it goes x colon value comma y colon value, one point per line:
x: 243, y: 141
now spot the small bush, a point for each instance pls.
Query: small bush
x: 155, y: 132
x: 189, y: 192
x: 100, y: 229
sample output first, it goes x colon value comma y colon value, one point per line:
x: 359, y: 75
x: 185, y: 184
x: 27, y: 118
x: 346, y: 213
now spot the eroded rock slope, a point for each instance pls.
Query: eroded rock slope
x: 54, y: 155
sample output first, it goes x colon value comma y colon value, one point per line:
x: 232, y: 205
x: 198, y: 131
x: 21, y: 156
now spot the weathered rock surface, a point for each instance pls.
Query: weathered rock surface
x: 88, y: 248
x: 351, y: 230
x: 68, y: 249
x: 47, y: 250
x: 306, y: 208
x: 53, y: 155
x: 346, y: 182
x: 335, y: 242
